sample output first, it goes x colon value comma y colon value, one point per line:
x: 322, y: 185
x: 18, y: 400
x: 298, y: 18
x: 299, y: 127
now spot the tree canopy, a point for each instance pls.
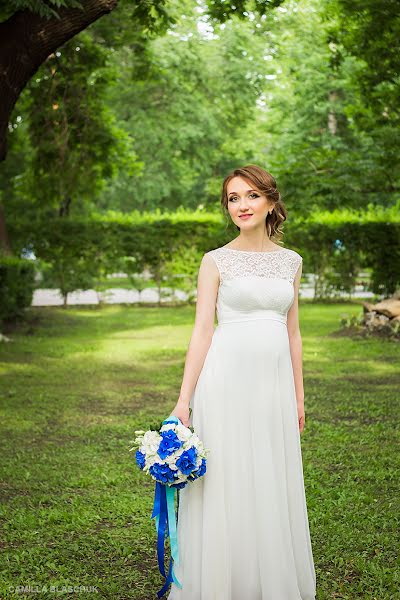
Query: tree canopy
x: 149, y: 106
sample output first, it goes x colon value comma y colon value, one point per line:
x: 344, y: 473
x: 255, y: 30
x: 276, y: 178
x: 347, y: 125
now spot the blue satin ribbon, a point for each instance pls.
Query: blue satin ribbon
x: 164, y: 512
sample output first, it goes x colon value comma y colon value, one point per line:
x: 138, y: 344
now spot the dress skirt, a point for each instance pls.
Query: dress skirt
x: 243, y: 530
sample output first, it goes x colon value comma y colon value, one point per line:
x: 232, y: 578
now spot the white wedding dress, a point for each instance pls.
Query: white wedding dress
x: 243, y: 530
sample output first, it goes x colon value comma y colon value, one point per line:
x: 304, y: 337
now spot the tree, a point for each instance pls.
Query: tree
x: 324, y: 131
x: 32, y: 30
x: 187, y: 105
x: 28, y: 36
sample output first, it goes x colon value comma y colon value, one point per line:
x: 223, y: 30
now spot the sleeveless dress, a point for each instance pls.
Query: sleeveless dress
x: 243, y: 530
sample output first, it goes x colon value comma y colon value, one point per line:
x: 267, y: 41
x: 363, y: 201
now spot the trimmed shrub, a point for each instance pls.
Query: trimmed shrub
x: 17, y: 282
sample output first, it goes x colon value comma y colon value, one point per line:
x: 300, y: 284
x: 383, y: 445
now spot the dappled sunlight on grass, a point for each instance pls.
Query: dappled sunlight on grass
x: 76, y: 384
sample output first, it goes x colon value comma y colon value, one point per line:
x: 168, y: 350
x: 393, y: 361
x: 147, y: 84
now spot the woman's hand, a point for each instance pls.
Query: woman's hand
x: 181, y: 411
x: 301, y: 416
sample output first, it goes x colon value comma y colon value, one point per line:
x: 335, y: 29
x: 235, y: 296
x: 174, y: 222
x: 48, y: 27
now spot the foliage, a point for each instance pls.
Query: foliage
x: 44, y: 8
x: 16, y: 286
x: 169, y: 113
x: 75, y: 141
x: 150, y: 120
x: 186, y: 96
x: 222, y: 11
x: 324, y: 157
x: 152, y: 15
x: 335, y: 246
x: 182, y: 270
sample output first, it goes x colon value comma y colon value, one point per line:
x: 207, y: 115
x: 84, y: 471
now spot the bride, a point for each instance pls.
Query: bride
x: 243, y: 530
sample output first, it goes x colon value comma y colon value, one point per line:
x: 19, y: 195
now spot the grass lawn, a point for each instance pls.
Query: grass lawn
x: 75, y: 510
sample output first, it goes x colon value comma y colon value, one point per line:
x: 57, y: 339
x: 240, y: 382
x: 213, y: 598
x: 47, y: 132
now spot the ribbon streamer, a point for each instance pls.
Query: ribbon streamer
x: 166, y: 521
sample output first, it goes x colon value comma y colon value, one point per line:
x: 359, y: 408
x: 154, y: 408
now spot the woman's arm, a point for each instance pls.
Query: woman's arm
x: 296, y: 348
x: 207, y: 290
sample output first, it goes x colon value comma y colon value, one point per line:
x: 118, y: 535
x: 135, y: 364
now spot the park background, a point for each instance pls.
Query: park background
x: 118, y: 123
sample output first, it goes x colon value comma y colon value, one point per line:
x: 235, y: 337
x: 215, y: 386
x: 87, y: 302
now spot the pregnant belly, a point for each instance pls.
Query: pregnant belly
x: 248, y: 362
x: 259, y: 340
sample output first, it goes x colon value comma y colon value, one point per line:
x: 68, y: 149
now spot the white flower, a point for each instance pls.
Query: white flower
x: 151, y: 443
x: 183, y: 432
x: 151, y: 437
x: 172, y: 458
x: 171, y: 425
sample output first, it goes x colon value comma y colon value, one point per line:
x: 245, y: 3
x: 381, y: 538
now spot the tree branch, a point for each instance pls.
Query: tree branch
x: 27, y: 39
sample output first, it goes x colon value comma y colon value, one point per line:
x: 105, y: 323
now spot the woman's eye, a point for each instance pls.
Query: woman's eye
x: 235, y: 197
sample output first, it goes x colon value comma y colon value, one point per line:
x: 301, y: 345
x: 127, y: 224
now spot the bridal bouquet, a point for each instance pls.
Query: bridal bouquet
x: 173, y: 457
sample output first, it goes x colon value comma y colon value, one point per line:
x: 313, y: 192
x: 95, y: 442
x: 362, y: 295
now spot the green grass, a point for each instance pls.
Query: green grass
x: 75, y: 510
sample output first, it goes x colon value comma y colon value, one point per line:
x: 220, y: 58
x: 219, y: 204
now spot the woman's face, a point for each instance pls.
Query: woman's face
x: 245, y: 199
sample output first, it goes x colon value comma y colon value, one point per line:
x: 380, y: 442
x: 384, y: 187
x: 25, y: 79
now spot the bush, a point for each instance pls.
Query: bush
x: 17, y: 281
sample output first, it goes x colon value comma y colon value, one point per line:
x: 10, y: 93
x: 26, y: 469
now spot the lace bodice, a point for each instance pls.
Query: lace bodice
x: 278, y: 264
x: 255, y: 285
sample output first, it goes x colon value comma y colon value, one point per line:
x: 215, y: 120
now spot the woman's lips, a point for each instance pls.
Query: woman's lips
x: 245, y: 217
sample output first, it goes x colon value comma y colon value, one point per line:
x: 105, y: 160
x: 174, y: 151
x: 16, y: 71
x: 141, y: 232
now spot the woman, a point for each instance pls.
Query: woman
x: 243, y: 529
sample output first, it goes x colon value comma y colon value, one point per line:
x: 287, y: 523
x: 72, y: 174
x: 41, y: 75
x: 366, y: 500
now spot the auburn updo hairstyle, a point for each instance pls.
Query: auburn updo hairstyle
x: 265, y: 183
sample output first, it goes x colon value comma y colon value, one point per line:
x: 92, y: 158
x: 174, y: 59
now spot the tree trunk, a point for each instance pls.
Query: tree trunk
x: 64, y: 208
x: 27, y: 39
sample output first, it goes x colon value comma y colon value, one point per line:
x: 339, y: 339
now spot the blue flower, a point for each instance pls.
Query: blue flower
x: 203, y: 467
x: 162, y: 472
x: 169, y: 443
x: 140, y: 459
x: 187, y: 461
x: 198, y: 472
